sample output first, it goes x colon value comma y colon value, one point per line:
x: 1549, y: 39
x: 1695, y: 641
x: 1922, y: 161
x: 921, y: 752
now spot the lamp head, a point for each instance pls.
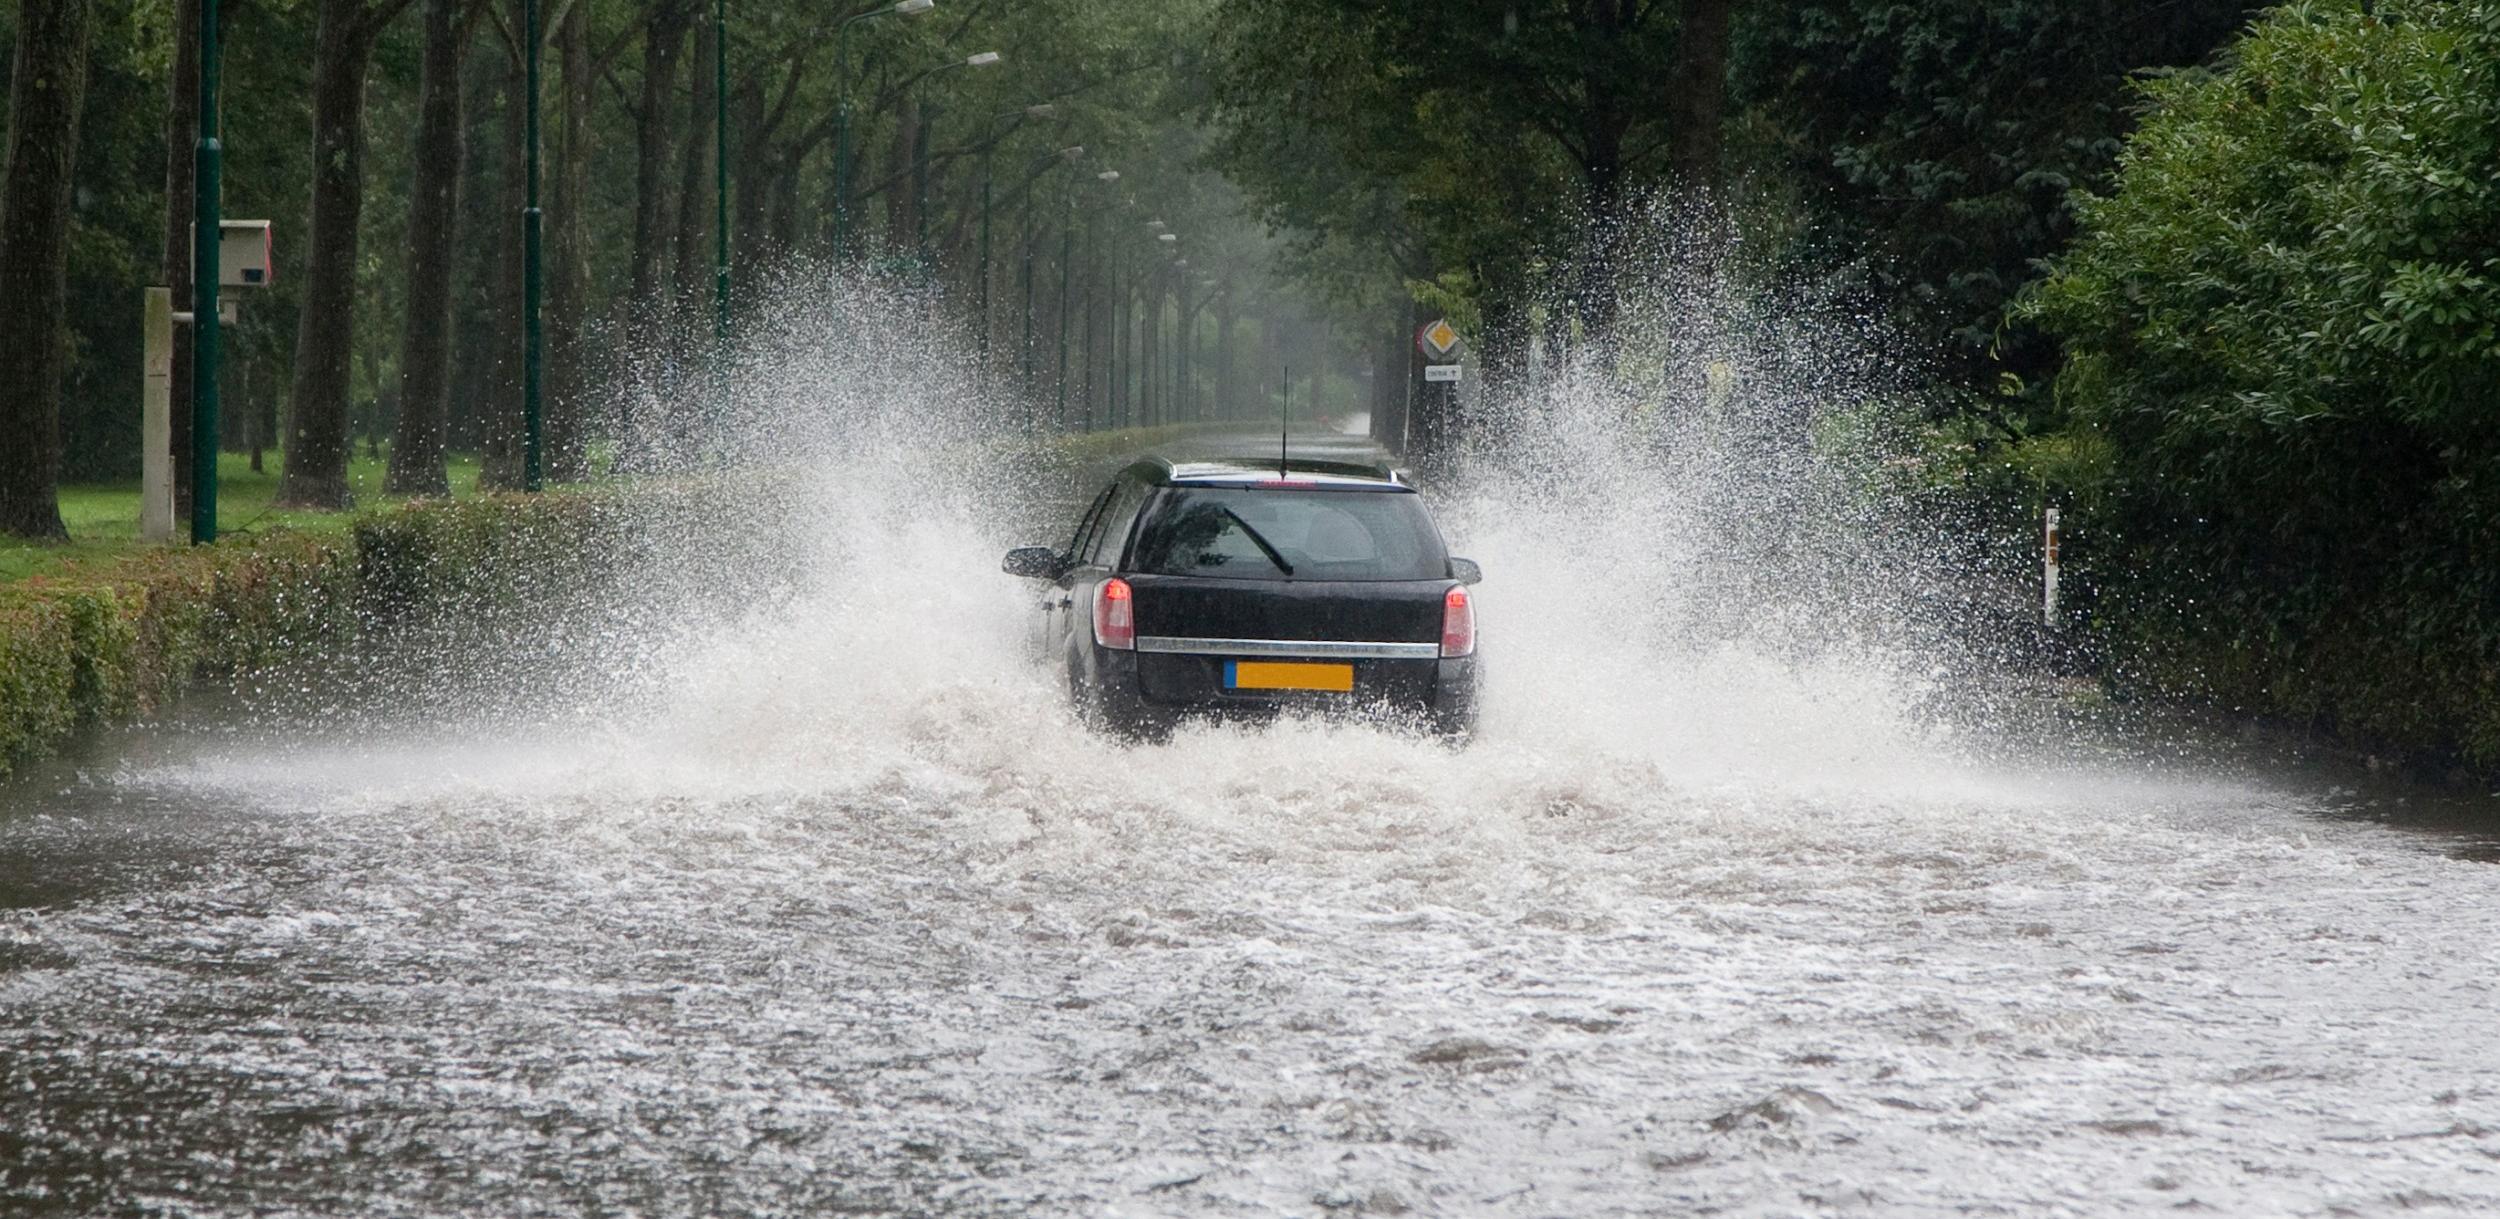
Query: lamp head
x: 912, y: 8
x: 1108, y: 175
x: 1041, y: 110
x: 982, y: 60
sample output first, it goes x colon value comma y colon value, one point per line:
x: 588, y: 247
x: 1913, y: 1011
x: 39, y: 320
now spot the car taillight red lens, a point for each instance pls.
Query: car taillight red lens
x: 1115, y: 615
x: 1458, y: 624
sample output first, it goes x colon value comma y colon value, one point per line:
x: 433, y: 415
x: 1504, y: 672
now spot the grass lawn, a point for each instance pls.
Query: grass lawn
x: 103, y: 518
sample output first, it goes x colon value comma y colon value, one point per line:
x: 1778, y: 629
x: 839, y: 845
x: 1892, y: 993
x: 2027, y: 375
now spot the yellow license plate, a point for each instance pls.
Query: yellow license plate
x: 1287, y: 675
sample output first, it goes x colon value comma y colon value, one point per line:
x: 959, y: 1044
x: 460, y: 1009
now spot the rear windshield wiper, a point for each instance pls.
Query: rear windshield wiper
x: 1262, y: 543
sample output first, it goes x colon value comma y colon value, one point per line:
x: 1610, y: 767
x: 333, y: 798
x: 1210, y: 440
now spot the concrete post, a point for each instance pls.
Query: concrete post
x: 156, y: 424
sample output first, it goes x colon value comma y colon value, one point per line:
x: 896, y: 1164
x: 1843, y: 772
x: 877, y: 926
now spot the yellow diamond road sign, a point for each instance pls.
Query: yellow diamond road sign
x: 1439, y: 338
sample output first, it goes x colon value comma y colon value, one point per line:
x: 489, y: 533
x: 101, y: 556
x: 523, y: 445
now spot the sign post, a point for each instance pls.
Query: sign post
x: 1437, y: 344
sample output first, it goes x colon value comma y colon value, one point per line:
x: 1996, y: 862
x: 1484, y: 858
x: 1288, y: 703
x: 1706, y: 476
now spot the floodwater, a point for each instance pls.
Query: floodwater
x: 1750, y: 898
x: 851, y: 922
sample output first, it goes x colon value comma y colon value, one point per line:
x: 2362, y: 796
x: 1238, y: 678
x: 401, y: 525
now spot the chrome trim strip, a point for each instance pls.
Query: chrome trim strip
x: 1315, y: 648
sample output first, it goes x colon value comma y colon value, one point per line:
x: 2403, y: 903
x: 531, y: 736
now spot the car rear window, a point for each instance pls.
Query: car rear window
x: 1281, y: 534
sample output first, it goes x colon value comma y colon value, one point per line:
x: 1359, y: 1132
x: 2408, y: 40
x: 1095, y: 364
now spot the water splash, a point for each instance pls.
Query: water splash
x: 817, y: 899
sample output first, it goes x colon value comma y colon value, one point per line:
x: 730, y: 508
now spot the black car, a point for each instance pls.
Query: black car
x: 1232, y: 587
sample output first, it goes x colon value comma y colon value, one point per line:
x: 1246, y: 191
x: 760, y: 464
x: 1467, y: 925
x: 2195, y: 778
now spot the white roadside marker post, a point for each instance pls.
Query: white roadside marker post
x: 156, y: 428
x: 2048, y: 571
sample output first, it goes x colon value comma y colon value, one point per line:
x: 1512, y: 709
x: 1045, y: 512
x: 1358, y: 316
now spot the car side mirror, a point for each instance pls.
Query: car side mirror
x: 1465, y: 571
x: 1033, y: 562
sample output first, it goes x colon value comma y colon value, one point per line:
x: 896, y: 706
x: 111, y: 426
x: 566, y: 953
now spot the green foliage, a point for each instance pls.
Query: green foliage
x: 2284, y: 326
x: 1943, y: 141
x: 124, y: 638
x: 1453, y: 148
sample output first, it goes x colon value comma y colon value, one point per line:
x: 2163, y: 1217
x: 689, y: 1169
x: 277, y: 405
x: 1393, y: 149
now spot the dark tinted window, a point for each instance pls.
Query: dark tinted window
x: 1260, y: 534
x: 1113, y: 531
x: 1085, y: 527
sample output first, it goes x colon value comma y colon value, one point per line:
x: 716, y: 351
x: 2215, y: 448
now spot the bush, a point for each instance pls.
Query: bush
x: 126, y: 640
x: 2284, y: 340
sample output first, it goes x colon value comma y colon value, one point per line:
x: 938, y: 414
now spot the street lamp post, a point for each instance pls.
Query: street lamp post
x: 920, y: 146
x: 720, y: 187
x: 1167, y: 389
x: 207, y: 223
x: 989, y: 144
x: 1040, y: 167
x: 1087, y: 392
x: 533, y: 277
x: 842, y: 111
x: 1067, y: 259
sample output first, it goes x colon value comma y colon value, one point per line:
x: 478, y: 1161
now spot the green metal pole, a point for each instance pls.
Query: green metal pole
x: 842, y: 137
x: 1067, y: 257
x: 1026, y: 388
x: 720, y: 168
x: 920, y: 185
x: 986, y: 184
x: 1093, y: 306
x: 720, y: 210
x: 533, y: 340
x: 207, y: 219
x: 1119, y: 333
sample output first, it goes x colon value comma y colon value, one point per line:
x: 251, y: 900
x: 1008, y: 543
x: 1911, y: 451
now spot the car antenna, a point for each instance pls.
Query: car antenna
x: 1284, y: 425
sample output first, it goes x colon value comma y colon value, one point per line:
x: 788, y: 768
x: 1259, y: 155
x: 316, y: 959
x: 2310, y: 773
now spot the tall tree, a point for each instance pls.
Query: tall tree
x: 182, y: 123
x: 418, y: 442
x: 47, y: 89
x: 325, y: 336
x: 645, y: 304
x: 694, y: 201
x: 503, y: 435
x: 1428, y: 105
x: 1949, y: 139
x: 568, y: 254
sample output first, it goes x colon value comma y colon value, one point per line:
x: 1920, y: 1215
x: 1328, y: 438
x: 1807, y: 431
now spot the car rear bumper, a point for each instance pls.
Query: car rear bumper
x: 1165, y: 680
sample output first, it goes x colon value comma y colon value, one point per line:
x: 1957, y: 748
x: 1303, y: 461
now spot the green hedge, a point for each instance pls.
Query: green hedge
x: 2283, y: 338
x: 125, y: 639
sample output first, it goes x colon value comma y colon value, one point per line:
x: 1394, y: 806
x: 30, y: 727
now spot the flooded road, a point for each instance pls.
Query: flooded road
x: 941, y: 953
x: 1760, y: 892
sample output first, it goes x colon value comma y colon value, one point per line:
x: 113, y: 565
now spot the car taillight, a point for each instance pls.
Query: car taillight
x: 1115, y: 615
x: 1458, y: 624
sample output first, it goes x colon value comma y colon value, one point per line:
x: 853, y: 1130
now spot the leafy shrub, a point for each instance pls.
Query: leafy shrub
x: 2284, y: 337
x: 129, y: 638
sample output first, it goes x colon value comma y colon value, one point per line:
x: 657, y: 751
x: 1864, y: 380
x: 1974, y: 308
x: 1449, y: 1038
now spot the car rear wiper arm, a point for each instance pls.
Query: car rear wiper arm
x: 1262, y: 543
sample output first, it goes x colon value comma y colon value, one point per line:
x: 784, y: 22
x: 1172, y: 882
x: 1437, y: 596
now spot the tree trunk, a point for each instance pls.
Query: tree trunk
x: 182, y: 133
x: 1184, y: 384
x: 568, y: 281
x: 1220, y: 390
x: 1393, y: 379
x: 695, y: 199
x: 1697, y: 95
x: 418, y: 443
x: 654, y: 127
x: 1597, y: 306
x: 757, y: 168
x: 899, y: 216
x: 47, y: 88
x: 316, y: 450
x: 500, y: 450
x: 785, y: 223
x: 476, y: 276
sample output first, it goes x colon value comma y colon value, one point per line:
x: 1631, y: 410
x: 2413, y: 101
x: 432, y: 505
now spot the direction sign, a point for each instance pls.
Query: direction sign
x: 1441, y: 372
x: 1438, y: 339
